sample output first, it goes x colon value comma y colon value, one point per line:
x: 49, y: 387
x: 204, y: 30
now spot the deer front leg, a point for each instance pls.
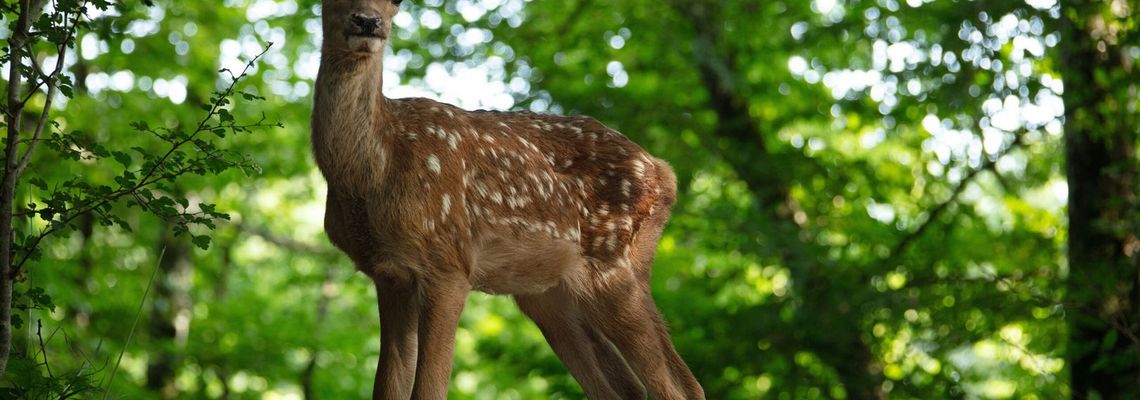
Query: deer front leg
x: 399, y: 329
x: 443, y: 301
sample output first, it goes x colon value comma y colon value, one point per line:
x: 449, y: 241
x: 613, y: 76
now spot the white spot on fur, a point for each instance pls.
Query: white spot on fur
x: 445, y: 207
x: 453, y: 141
x: 433, y: 163
x: 638, y: 168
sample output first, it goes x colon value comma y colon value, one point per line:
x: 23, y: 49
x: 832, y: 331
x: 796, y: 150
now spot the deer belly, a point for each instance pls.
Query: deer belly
x: 524, y: 266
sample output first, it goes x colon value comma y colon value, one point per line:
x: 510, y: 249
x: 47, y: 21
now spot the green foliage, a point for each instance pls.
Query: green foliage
x: 858, y: 218
x: 145, y: 179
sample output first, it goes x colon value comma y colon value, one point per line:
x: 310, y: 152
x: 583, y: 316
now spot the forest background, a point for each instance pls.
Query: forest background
x: 879, y: 198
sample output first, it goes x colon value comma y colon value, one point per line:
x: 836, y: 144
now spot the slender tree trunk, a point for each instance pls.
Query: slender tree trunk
x: 1100, y: 150
x: 8, y: 183
x: 310, y: 370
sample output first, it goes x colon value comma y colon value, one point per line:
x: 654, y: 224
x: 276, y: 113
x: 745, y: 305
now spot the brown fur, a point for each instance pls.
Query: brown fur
x: 432, y: 201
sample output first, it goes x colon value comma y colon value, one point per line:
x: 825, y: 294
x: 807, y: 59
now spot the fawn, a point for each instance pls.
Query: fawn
x: 432, y: 201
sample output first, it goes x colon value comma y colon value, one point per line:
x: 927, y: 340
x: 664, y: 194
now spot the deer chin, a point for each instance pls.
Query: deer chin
x: 366, y: 44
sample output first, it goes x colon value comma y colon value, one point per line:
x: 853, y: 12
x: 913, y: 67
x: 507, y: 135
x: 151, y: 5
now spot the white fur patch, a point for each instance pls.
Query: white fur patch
x: 445, y: 206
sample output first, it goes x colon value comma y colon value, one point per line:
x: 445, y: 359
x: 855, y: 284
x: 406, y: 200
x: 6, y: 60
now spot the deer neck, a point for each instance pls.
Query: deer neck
x: 349, y: 118
x: 350, y: 84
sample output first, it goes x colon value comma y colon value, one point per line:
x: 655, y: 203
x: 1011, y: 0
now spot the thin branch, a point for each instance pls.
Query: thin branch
x: 134, y: 324
x: 52, y: 86
x: 1036, y: 358
x: 940, y: 208
x: 16, y: 43
x: 282, y: 241
x: 1119, y: 321
x: 573, y: 17
x: 86, y: 364
x: 212, y: 112
x: 43, y: 349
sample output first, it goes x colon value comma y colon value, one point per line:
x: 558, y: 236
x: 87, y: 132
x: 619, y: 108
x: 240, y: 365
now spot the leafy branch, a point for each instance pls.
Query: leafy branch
x: 188, y: 153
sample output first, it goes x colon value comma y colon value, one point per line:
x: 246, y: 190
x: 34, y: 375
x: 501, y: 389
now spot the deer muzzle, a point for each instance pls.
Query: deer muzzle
x: 366, y: 24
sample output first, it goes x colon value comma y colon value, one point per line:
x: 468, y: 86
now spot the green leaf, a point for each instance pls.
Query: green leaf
x: 202, y: 241
x: 123, y: 158
x: 38, y: 182
x: 1109, y: 340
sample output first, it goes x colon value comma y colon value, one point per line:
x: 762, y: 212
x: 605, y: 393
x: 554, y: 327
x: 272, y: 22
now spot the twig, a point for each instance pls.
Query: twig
x: 52, y: 82
x: 1119, y: 321
x: 573, y: 16
x: 134, y: 324
x: 86, y: 363
x: 210, y: 114
x: 1032, y: 356
x: 940, y: 208
x: 282, y: 241
x: 43, y: 349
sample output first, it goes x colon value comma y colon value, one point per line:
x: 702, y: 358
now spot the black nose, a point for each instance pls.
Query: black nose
x: 366, y: 23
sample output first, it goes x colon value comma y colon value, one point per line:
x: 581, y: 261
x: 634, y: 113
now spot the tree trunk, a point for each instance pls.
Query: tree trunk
x: 307, y: 387
x: 1100, y: 145
x: 768, y: 177
x: 8, y: 183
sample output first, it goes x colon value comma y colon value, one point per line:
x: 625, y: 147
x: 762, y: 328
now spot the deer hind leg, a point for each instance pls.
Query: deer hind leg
x: 639, y: 331
x: 681, y: 375
x: 591, y: 359
x: 625, y: 316
x: 616, y: 369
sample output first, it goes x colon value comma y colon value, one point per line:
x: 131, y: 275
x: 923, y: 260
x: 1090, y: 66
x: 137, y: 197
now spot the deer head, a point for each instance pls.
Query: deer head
x: 357, y: 26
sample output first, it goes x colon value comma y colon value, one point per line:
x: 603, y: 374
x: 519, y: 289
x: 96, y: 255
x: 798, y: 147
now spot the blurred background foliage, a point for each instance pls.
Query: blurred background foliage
x: 873, y: 196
